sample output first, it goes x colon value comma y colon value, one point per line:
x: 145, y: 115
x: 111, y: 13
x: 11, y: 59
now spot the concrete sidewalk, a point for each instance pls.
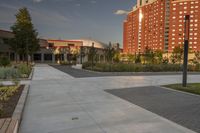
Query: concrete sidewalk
x: 59, y: 103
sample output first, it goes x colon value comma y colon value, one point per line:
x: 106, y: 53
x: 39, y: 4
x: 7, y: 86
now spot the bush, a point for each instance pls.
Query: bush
x: 4, y: 61
x: 131, y: 67
x: 65, y: 63
x: 87, y: 64
x: 20, y: 71
x: 24, y: 70
x: 8, y: 73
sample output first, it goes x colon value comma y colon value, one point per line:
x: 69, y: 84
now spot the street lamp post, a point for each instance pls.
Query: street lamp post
x: 186, y: 41
x: 81, y: 54
x: 92, y: 55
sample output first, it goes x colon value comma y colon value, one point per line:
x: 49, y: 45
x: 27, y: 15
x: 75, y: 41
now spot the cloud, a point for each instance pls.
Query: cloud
x: 7, y: 13
x: 78, y: 4
x: 121, y: 12
x: 37, y: 1
x: 93, y: 1
x: 7, y: 6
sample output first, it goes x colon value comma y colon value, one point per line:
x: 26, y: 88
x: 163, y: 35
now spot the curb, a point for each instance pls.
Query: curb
x: 148, y: 73
x: 184, y: 92
x: 31, y: 74
x: 17, y: 115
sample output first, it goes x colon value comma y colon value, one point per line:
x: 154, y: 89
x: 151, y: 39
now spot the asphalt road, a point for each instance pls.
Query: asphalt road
x: 181, y: 108
x: 85, y: 73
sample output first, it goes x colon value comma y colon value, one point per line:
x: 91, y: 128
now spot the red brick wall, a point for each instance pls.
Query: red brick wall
x: 153, y: 24
x: 176, y: 33
x: 131, y: 32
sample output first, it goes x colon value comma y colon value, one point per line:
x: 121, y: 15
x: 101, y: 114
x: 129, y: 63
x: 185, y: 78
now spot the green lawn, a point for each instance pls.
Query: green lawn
x: 191, y: 88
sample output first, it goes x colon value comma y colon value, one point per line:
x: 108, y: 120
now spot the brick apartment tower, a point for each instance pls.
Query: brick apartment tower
x: 159, y: 25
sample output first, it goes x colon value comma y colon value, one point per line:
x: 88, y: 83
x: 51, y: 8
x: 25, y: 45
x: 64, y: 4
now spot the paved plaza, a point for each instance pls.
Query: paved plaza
x: 60, y: 103
x: 181, y: 108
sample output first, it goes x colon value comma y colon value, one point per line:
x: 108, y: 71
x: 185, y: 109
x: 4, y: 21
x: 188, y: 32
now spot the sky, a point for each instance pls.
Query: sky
x: 101, y: 20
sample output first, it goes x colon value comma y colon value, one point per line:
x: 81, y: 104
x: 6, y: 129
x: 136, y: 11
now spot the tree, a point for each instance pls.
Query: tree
x: 25, y: 41
x: 131, y: 58
x: 92, y: 54
x: 138, y: 58
x: 177, y: 55
x: 116, y: 57
x: 110, y: 53
x: 148, y: 55
x: 196, y: 59
x: 158, y: 56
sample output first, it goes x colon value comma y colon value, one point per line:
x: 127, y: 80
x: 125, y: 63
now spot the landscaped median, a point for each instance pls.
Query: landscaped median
x: 21, y: 71
x: 12, y: 101
x: 191, y: 88
x: 13, y: 95
x: 132, y: 67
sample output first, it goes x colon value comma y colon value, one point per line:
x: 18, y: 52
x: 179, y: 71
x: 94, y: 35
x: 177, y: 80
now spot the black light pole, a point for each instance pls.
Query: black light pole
x: 81, y: 54
x: 92, y: 55
x: 186, y: 42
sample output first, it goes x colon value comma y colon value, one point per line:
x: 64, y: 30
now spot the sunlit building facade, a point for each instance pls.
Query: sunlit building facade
x: 159, y: 25
x: 56, y: 51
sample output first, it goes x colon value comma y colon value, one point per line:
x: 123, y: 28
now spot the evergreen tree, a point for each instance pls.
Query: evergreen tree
x: 25, y: 41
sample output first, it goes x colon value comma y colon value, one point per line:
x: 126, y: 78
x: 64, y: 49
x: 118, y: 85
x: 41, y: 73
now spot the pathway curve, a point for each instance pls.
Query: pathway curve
x: 59, y: 103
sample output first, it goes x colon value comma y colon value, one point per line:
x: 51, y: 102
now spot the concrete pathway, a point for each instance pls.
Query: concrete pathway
x: 59, y: 103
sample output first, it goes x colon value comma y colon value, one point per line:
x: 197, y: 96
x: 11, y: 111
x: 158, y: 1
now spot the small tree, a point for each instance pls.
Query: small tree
x: 158, y: 56
x: 148, y: 55
x: 138, y: 58
x: 116, y: 57
x: 110, y: 52
x: 196, y: 59
x: 92, y: 55
x: 25, y: 41
x: 177, y: 55
x: 131, y: 57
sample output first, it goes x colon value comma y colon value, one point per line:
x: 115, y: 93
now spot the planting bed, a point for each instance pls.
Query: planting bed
x: 7, y: 106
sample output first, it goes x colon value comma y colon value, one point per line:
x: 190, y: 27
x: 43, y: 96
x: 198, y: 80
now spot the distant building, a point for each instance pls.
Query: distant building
x: 4, y: 48
x: 159, y: 25
x: 70, y: 50
x: 57, y: 51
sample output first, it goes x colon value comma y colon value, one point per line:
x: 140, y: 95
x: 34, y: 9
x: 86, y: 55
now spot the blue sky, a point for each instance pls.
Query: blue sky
x: 71, y: 19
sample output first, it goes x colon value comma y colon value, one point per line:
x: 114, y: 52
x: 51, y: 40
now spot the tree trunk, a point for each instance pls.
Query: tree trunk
x: 27, y: 59
x: 16, y: 57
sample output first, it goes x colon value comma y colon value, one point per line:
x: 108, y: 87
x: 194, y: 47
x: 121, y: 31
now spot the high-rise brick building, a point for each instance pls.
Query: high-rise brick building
x: 159, y: 25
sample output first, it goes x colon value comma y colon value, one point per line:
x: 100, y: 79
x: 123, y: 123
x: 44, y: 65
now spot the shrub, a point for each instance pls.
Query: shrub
x: 7, y: 91
x: 8, y: 72
x: 87, y: 64
x: 19, y: 71
x: 65, y: 63
x: 4, y: 61
x: 24, y: 70
x: 131, y: 67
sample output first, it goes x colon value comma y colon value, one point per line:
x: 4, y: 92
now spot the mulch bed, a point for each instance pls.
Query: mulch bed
x: 9, y: 106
